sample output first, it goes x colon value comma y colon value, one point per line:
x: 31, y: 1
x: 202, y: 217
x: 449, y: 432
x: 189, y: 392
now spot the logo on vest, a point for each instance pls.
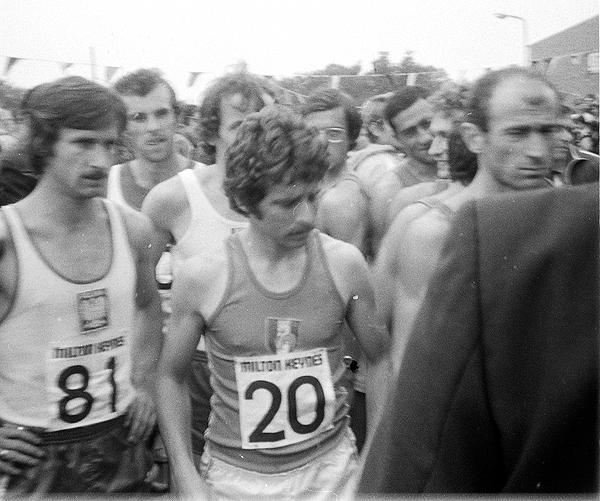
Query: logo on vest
x: 282, y: 334
x: 92, y: 309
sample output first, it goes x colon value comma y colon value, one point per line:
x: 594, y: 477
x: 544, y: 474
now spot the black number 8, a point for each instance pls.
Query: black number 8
x: 73, y: 393
x: 259, y: 434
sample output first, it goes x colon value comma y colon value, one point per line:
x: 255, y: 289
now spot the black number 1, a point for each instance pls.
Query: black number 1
x: 111, y: 366
x: 73, y: 393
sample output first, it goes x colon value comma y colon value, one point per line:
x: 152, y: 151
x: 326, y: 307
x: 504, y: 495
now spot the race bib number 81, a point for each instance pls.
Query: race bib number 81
x: 87, y: 382
x: 284, y: 399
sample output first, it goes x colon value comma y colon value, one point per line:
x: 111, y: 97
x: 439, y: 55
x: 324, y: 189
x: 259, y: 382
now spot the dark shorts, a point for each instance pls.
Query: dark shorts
x: 200, y: 393
x: 358, y: 418
x: 95, y: 458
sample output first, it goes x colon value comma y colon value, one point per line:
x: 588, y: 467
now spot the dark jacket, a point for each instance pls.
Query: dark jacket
x: 498, y: 390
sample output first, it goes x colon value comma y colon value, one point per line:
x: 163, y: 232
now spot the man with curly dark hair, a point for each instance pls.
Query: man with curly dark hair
x: 271, y: 305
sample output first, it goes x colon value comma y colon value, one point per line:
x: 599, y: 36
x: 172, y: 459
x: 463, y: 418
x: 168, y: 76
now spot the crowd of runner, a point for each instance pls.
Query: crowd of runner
x: 244, y: 300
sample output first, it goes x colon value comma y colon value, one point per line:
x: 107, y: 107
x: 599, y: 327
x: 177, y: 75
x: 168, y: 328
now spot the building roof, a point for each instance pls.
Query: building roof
x: 582, y: 37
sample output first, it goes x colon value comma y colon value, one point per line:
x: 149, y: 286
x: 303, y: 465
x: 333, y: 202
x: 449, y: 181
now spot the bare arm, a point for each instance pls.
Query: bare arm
x: 187, y: 325
x: 418, y: 253
x: 353, y: 280
x: 147, y: 328
x: 22, y: 447
x: 163, y: 206
x: 372, y: 334
x: 386, y: 270
x: 382, y: 194
x: 408, y: 196
x: 343, y: 214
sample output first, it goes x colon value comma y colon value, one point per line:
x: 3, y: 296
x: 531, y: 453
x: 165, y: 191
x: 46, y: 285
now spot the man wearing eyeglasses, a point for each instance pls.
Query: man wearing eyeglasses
x: 343, y: 204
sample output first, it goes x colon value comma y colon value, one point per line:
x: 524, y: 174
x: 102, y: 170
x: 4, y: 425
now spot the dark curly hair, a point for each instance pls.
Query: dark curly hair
x: 462, y: 162
x: 67, y: 103
x: 450, y: 101
x: 328, y: 99
x: 272, y: 146
x: 252, y: 88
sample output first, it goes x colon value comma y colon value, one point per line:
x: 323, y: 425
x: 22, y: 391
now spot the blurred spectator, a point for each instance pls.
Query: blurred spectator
x: 8, y: 129
x: 585, y: 119
x: 572, y: 164
x: 17, y: 178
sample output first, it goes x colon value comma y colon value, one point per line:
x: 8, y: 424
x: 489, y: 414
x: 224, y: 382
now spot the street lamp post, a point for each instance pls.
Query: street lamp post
x: 526, y: 48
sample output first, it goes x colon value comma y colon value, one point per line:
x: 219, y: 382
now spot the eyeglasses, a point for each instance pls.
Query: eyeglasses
x: 334, y: 134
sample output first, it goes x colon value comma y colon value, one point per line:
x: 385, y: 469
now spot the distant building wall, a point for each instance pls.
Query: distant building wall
x: 570, y: 58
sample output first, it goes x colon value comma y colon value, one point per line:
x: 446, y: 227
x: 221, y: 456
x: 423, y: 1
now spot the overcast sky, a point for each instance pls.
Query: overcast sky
x: 275, y: 37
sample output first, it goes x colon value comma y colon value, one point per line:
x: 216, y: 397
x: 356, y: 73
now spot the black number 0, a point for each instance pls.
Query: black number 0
x: 259, y: 434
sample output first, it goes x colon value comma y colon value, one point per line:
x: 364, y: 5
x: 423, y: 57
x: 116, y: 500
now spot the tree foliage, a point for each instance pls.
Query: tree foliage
x: 10, y: 96
x: 384, y: 76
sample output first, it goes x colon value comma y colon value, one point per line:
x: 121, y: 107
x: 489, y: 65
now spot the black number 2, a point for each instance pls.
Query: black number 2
x: 80, y: 392
x: 259, y: 434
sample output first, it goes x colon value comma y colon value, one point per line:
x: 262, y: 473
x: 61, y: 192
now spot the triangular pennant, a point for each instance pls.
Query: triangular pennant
x: 110, y: 72
x: 65, y: 66
x: 193, y: 77
x: 10, y: 62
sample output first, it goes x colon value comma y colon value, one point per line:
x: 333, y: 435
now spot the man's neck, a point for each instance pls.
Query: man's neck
x: 49, y: 206
x: 148, y: 174
x: 483, y: 185
x: 422, y: 169
x: 261, y: 249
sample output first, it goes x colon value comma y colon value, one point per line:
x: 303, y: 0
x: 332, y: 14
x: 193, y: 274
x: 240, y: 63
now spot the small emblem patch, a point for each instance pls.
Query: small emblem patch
x: 282, y: 334
x: 92, y: 308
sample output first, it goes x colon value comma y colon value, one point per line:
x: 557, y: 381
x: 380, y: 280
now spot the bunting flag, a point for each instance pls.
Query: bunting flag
x: 552, y: 64
x: 541, y: 65
x: 193, y: 77
x: 109, y: 72
x: 592, y: 62
x: 411, y: 79
x: 10, y: 62
x: 65, y: 66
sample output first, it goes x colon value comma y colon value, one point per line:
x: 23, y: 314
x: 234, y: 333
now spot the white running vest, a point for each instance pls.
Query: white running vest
x: 65, y: 346
x: 207, y: 230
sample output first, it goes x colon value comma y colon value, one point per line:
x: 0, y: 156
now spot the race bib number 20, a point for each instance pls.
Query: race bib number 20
x: 284, y: 399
